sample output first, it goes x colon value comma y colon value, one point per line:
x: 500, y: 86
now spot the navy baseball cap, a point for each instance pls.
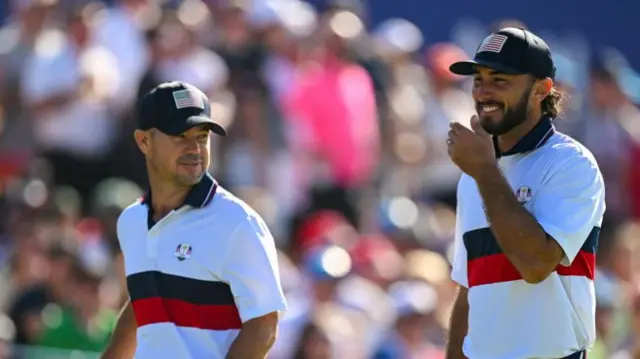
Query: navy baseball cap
x: 513, y: 51
x: 175, y: 107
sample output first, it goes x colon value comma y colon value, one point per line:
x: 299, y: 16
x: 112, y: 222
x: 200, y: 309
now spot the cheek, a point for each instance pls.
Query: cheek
x: 165, y: 154
x: 475, y: 94
x: 205, y: 151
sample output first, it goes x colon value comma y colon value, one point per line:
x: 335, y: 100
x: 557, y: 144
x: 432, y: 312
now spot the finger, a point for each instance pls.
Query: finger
x: 477, y: 127
x: 457, y: 127
x: 451, y: 134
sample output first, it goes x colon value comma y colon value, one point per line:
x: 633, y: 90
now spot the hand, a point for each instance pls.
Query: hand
x: 471, y: 151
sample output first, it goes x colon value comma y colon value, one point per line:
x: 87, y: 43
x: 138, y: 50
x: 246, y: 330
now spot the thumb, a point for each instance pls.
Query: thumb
x: 477, y: 127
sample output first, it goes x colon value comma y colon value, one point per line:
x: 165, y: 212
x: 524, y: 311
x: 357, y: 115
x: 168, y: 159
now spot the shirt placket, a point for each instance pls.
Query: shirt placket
x: 154, y: 235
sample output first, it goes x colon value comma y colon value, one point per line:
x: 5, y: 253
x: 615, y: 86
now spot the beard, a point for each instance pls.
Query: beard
x: 510, y: 119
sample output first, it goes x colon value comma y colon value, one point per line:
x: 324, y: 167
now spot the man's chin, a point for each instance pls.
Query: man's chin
x: 490, y: 124
x: 189, y: 179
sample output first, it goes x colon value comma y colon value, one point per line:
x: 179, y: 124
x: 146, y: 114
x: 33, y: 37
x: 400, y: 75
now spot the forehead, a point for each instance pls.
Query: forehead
x: 194, y: 131
x: 486, y: 71
x: 197, y: 130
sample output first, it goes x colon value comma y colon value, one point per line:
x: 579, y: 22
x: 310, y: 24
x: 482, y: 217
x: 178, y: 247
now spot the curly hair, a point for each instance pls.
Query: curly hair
x: 553, y: 104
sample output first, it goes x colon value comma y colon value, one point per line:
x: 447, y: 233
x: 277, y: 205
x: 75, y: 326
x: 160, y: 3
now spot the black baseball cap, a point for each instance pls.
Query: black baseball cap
x: 512, y: 51
x: 175, y: 107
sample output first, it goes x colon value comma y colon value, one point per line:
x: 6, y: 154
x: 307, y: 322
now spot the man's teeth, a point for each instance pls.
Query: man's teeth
x: 488, y: 108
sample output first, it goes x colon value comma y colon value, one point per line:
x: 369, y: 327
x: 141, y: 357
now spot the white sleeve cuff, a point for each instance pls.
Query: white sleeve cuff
x: 280, y: 307
x: 570, y: 246
x: 459, y: 278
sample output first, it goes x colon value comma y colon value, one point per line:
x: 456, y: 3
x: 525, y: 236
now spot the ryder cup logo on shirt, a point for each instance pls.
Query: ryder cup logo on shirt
x: 183, y: 251
x: 523, y: 194
x: 188, y: 98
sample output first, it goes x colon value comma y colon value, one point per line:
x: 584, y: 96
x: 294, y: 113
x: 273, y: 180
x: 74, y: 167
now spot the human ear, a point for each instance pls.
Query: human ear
x: 543, y: 88
x: 143, y: 140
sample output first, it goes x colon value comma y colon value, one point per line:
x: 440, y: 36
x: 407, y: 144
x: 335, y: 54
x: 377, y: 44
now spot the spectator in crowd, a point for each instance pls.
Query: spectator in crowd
x: 18, y: 37
x: 62, y: 87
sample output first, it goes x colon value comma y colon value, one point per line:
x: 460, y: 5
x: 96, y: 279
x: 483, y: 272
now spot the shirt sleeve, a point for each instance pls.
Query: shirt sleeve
x: 251, y: 269
x: 120, y: 229
x: 571, y: 204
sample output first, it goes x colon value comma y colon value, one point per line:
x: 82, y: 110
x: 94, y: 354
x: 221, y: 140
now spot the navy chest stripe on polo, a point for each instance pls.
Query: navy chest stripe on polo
x: 186, y: 302
x: 486, y: 264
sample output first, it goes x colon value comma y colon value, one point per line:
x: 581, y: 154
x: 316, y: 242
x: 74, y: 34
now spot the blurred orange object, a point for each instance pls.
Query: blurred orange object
x: 440, y: 56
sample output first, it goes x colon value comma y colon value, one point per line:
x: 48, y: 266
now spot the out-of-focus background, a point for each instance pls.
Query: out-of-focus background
x: 337, y: 113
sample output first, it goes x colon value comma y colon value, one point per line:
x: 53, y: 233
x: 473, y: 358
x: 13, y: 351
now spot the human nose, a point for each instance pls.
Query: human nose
x: 191, y: 145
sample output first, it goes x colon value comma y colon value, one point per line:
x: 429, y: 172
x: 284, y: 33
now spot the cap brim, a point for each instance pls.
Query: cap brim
x: 466, y: 68
x: 195, y: 121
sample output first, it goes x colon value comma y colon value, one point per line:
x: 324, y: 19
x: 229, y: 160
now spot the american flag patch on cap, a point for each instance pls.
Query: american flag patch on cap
x: 493, y: 43
x: 188, y: 98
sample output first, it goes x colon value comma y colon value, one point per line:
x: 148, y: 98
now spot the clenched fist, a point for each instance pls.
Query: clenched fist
x: 471, y: 150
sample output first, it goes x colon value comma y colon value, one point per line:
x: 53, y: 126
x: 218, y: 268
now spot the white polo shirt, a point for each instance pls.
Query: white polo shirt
x: 196, y: 275
x: 558, y: 181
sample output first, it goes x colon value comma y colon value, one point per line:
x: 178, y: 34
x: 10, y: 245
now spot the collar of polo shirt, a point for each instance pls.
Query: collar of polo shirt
x: 532, y: 140
x: 199, y: 196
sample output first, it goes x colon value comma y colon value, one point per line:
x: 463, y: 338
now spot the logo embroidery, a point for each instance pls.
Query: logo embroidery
x: 183, y: 251
x: 523, y: 194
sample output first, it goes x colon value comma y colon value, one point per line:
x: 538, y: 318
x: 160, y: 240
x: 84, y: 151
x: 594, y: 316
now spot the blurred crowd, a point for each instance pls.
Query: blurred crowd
x: 336, y: 136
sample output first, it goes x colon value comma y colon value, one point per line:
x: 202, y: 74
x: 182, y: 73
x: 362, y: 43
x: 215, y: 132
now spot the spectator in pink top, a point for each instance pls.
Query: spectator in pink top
x: 332, y: 112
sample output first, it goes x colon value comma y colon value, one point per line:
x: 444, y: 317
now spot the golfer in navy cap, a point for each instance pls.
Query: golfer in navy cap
x: 530, y: 207
x: 201, y: 265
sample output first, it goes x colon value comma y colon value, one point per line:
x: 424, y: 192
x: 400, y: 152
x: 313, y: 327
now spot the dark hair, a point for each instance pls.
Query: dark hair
x: 553, y: 103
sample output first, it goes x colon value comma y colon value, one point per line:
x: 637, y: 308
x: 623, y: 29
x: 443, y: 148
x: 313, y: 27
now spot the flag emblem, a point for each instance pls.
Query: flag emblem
x: 188, y: 98
x: 493, y: 43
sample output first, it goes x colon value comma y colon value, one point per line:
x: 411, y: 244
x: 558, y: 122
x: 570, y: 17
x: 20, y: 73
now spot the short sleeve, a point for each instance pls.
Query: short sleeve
x: 570, y: 204
x: 251, y: 269
x: 459, y: 262
x: 120, y: 228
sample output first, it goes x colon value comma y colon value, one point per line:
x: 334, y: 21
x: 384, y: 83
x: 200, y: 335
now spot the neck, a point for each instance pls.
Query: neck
x: 165, y: 196
x: 511, y: 138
